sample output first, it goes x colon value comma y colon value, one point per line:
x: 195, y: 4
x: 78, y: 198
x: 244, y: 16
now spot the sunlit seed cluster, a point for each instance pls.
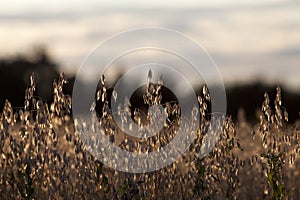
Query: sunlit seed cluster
x: 42, y: 156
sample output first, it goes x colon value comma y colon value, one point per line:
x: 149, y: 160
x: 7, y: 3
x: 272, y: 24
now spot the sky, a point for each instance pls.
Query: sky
x: 248, y: 40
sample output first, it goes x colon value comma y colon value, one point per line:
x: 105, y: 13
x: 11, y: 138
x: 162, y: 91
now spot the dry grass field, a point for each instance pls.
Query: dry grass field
x: 43, y: 157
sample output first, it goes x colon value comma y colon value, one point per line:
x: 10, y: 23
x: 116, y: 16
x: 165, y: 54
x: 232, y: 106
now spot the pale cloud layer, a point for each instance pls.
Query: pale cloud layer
x: 250, y: 39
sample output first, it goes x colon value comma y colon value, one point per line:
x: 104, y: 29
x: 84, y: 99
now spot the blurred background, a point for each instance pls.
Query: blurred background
x: 255, y: 44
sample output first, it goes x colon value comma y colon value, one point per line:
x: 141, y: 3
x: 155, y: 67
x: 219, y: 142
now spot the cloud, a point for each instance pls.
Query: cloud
x: 288, y: 52
x: 244, y: 38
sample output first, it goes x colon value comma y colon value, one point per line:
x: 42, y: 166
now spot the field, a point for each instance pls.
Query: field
x: 42, y: 156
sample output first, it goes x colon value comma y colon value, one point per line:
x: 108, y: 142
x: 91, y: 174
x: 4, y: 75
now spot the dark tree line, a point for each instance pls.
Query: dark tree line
x: 15, y: 72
